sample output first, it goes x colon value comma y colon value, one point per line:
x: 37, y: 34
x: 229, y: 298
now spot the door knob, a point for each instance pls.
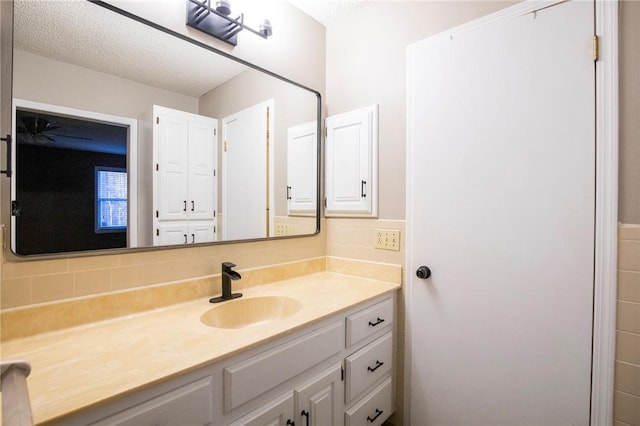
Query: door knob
x: 423, y: 272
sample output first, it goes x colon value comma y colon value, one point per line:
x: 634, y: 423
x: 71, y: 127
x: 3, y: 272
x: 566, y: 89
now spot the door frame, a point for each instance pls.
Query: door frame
x: 132, y: 156
x: 606, y: 206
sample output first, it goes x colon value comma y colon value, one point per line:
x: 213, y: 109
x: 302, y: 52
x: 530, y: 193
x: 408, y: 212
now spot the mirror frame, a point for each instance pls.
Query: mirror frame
x: 12, y: 256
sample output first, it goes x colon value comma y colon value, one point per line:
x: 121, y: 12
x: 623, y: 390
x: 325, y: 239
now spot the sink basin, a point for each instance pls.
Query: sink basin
x: 250, y: 312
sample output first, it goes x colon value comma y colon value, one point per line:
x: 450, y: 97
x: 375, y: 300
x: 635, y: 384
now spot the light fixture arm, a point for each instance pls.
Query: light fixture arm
x: 203, y: 17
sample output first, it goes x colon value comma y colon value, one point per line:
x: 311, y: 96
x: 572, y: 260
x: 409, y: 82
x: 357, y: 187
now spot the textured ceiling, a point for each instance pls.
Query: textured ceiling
x: 90, y: 36
x: 329, y: 11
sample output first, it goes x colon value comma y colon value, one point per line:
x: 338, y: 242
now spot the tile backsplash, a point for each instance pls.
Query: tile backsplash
x: 40, y: 281
x: 627, y: 370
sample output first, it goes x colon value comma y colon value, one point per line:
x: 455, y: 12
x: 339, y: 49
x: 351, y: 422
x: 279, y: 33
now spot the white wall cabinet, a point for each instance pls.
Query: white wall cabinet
x: 351, y: 151
x: 302, y: 154
x: 314, y: 377
x: 178, y: 159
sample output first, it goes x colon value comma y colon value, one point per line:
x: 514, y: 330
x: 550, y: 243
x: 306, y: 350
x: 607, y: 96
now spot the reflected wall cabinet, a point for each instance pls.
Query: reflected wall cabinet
x: 301, y: 158
x: 352, y: 163
x: 177, y: 158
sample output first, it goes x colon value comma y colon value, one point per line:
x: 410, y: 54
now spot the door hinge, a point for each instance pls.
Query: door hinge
x: 157, y: 120
x: 596, y: 48
x: 214, y: 229
x: 157, y: 167
x: 214, y: 172
x: 325, y: 132
x: 215, y: 132
x: 157, y: 215
x: 157, y: 232
x: 225, y: 146
x: 342, y: 374
x: 214, y: 214
x: 325, y: 202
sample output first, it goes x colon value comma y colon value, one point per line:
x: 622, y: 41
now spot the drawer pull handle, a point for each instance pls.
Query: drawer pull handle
x: 373, y: 419
x: 378, y: 365
x: 306, y: 415
x: 291, y: 422
x: 378, y: 321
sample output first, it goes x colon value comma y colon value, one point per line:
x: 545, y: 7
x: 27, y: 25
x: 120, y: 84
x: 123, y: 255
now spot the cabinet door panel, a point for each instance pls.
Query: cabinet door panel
x: 187, y: 405
x: 351, y: 163
x: 171, y: 133
x: 201, y: 170
x: 319, y: 400
x: 171, y: 233
x: 275, y: 413
x: 201, y: 233
x: 301, y: 173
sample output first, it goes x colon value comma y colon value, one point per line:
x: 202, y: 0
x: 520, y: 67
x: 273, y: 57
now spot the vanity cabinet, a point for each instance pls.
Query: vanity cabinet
x: 177, y: 158
x: 351, y: 175
x: 338, y: 371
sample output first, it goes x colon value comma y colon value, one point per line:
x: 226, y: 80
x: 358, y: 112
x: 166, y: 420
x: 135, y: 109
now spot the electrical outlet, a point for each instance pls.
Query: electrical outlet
x: 282, y: 229
x: 388, y: 239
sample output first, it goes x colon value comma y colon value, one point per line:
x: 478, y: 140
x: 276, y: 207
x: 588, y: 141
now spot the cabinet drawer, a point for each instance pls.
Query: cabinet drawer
x: 368, y: 365
x: 374, y: 408
x: 366, y: 322
x: 190, y: 404
x: 246, y: 380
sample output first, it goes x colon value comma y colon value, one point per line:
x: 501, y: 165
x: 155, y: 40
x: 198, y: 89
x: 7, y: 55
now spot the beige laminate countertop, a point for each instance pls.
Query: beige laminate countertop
x: 84, y: 366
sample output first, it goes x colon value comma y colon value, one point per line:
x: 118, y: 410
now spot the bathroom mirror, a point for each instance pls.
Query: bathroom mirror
x: 130, y: 136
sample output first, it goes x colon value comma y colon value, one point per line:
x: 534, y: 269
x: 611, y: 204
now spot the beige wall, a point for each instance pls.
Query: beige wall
x: 292, y: 106
x: 629, y: 201
x: 366, y: 64
x: 41, y: 79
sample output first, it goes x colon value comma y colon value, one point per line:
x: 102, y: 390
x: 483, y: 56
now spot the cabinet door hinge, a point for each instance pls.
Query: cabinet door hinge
x: 325, y: 202
x: 342, y: 374
x: 596, y: 48
x: 214, y: 172
x: 214, y: 229
x: 215, y: 132
x: 157, y: 167
x: 157, y: 214
x: 214, y: 214
x: 157, y: 232
x: 157, y: 120
x: 225, y: 146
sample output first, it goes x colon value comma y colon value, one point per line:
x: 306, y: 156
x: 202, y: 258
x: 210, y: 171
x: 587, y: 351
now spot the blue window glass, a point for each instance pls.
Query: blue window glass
x: 111, y: 199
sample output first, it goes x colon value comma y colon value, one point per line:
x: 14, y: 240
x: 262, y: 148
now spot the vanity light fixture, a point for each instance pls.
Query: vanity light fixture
x: 212, y: 17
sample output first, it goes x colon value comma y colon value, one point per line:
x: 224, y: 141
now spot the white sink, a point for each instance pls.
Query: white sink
x: 250, y: 312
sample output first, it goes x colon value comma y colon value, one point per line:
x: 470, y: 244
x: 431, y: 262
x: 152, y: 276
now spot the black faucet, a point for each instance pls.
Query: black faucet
x: 228, y: 274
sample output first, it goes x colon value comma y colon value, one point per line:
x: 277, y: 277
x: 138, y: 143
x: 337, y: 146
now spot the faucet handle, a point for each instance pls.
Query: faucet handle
x: 227, y: 265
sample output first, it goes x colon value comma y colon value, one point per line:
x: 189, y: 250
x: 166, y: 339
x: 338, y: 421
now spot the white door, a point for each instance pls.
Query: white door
x: 245, y: 178
x: 302, y: 153
x: 351, y: 163
x: 172, y: 136
x: 501, y: 208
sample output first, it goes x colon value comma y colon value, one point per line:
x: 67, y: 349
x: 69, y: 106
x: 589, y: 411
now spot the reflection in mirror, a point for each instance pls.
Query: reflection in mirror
x: 113, y: 115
